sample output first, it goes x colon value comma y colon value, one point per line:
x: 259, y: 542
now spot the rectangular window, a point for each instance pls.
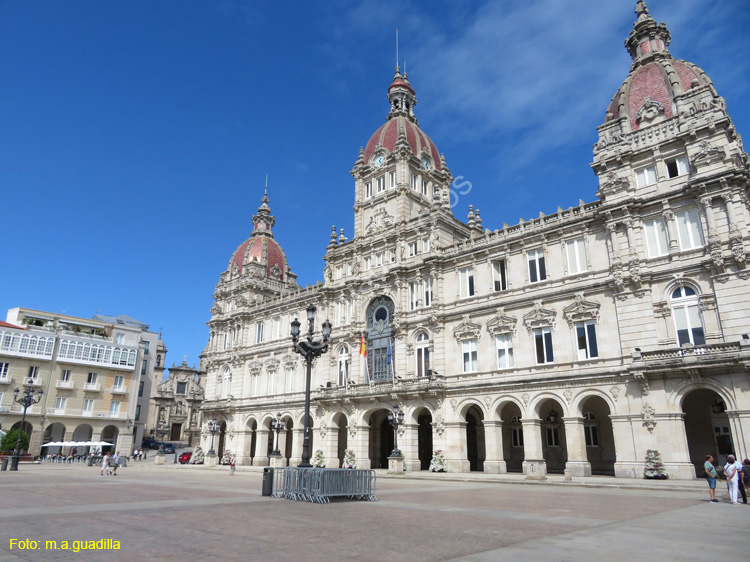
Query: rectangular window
x: 4, y: 370
x: 677, y: 166
x: 645, y: 176
x: 392, y: 256
x: 33, y: 372
x: 140, y: 388
x: 537, y: 269
x: 423, y: 361
x: 425, y: 187
x: 428, y: 292
x: 289, y: 379
x: 466, y: 280
x: 504, y: 344
x: 689, y: 229
x: 368, y: 190
x: 576, y: 250
x: 590, y: 433
x: 119, y: 382
x: 586, y: 337
x: 255, y: 385
x: 426, y: 245
x: 688, y: 324
x: 137, y: 412
x: 553, y: 437
x: 516, y: 437
x: 368, y: 263
x: 119, y: 339
x: 469, y: 351
x: 144, y: 366
x: 64, y: 376
x: 414, y: 294
x: 380, y: 183
x: 181, y: 388
x: 145, y: 347
x: 656, y: 238
x: 91, y: 378
x: 259, y: 332
x: 276, y: 327
x: 114, y: 408
x: 393, y: 180
x: 543, y: 343
x: 379, y: 259
x: 499, y: 275
x: 414, y: 182
x: 88, y: 405
x: 413, y: 249
x: 60, y: 404
x: 339, y: 271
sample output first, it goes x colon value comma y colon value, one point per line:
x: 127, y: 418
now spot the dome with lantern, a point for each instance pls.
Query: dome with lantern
x: 402, y: 123
x: 649, y: 93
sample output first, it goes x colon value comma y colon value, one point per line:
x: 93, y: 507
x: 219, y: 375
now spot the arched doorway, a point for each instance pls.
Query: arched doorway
x: 288, y: 439
x: 424, y: 438
x: 222, y: 437
x: 598, y: 434
x: 707, y: 427
x: 252, y: 428
x: 554, y: 445
x: 380, y: 339
x: 110, y: 435
x: 513, y: 451
x: 83, y: 432
x: 381, y: 439
x: 342, y: 438
x: 54, y: 432
x: 475, y: 450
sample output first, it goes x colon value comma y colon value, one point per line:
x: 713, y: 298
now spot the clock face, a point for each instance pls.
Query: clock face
x: 379, y: 161
x: 425, y: 163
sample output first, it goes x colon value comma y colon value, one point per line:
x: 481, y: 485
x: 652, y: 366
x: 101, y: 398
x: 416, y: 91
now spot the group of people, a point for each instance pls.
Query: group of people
x: 139, y: 454
x: 110, y: 464
x: 737, y: 474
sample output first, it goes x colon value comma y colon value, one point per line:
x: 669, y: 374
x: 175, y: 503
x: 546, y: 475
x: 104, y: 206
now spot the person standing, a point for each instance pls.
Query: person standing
x: 710, y: 471
x: 115, y: 463
x: 105, y: 465
x: 745, y: 477
x: 730, y: 470
x: 232, y: 465
x: 740, y: 481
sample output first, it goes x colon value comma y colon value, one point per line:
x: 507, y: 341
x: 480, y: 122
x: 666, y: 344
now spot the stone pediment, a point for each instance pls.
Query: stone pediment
x: 467, y: 330
x: 501, y: 324
x: 539, y: 318
x: 581, y: 310
x: 380, y: 221
x: 272, y: 365
x: 255, y: 367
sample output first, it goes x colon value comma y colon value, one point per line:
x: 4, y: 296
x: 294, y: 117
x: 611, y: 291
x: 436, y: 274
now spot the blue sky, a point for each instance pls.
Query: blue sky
x: 136, y: 135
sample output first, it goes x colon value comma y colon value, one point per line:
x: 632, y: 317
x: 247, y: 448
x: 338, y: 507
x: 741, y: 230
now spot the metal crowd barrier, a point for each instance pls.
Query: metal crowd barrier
x: 320, y: 484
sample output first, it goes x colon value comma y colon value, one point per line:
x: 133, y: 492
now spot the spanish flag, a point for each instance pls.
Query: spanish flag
x: 362, y: 345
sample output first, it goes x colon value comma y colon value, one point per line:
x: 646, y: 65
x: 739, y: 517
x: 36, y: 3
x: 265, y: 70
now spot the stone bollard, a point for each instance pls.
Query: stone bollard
x: 568, y: 476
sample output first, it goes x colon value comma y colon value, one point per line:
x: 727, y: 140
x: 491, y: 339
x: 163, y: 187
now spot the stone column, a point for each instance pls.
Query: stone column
x: 493, y: 443
x: 456, y: 447
x: 408, y: 442
x: 729, y: 204
x: 575, y: 439
x: 627, y: 463
x: 360, y: 444
x: 298, y: 435
x: 261, y: 447
x: 671, y: 230
x: 612, y: 231
x: 672, y: 443
x: 709, y: 212
x: 534, y: 465
x: 244, y: 441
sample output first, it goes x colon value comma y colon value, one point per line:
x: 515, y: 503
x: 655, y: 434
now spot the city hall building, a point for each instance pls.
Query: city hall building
x: 573, y: 341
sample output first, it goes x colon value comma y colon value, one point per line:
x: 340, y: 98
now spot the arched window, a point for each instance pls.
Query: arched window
x: 687, y: 317
x: 423, y: 355
x: 380, y: 336
x: 343, y: 365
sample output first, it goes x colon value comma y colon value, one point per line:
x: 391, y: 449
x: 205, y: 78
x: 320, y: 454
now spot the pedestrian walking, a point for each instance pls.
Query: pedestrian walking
x: 115, y: 463
x: 730, y: 470
x: 105, y: 465
x: 710, y: 471
x: 232, y: 465
x: 745, y: 477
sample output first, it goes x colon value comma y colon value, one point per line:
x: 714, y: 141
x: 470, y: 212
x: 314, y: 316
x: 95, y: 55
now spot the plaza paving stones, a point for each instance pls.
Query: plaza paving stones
x: 190, y: 513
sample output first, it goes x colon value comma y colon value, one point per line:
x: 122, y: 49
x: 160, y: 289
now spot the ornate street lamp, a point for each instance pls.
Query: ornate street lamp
x: 213, y: 427
x: 309, y: 349
x: 396, y: 418
x: 162, y: 430
x: 26, y: 400
x: 278, y: 425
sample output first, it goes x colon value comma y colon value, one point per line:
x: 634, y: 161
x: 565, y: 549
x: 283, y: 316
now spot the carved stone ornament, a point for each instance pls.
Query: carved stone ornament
x: 581, y: 310
x: 272, y: 365
x: 615, y: 392
x: 215, y: 309
x: 439, y: 425
x: 289, y: 362
x: 255, y: 367
x: 275, y: 272
x: 613, y: 183
x: 380, y: 221
x: 467, y: 330
x: 738, y: 251
x: 641, y: 379
x: 320, y: 411
x: 568, y: 396
x: 539, y: 318
x: 454, y: 402
x: 707, y: 154
x: 501, y: 324
x: 525, y: 398
x: 648, y: 418
x: 323, y: 429
x: 662, y: 309
x: 649, y: 111
x: 487, y: 401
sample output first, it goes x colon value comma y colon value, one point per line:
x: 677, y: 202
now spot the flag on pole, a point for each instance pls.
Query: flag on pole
x: 362, y: 345
x: 389, y: 353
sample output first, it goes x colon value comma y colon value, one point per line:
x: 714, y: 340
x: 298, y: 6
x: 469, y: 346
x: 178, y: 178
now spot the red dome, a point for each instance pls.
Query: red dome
x: 387, y: 135
x: 657, y: 82
x: 398, y: 81
x: 260, y: 249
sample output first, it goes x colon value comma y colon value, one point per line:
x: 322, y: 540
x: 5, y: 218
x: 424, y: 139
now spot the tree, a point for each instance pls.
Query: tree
x: 9, y: 441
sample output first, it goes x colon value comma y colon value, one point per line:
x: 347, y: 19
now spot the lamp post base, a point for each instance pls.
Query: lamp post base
x: 211, y: 460
x: 277, y: 461
x: 396, y: 465
x: 159, y: 458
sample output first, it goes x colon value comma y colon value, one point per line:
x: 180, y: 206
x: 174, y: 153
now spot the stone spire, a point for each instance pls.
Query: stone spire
x: 648, y: 40
x: 263, y: 222
x: 402, y: 97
